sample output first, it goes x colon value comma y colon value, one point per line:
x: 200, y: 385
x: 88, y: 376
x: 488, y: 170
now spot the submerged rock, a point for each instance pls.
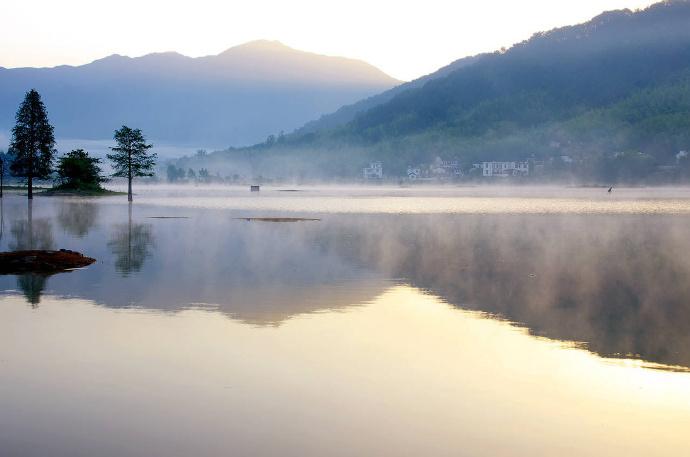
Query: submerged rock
x: 41, y: 261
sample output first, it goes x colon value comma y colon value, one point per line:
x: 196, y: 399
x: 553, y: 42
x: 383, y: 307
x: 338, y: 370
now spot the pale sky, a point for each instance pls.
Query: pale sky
x: 406, y: 39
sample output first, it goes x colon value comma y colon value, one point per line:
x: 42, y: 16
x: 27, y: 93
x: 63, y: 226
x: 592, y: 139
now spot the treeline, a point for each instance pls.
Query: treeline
x: 32, y: 154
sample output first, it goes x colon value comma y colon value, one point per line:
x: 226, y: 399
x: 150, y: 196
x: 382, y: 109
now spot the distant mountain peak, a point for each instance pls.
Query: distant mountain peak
x: 263, y: 44
x: 111, y: 58
x: 258, y: 47
x: 265, y: 59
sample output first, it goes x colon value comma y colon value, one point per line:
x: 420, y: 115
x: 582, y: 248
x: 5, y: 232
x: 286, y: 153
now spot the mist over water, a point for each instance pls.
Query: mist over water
x: 409, y: 301
x: 100, y: 148
x: 605, y: 273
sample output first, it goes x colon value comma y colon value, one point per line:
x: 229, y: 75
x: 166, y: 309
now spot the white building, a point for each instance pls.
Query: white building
x: 451, y: 167
x: 504, y: 169
x: 373, y: 171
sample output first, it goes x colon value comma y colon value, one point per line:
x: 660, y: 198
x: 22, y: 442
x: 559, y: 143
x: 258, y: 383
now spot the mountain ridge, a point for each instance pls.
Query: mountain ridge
x: 257, y: 50
x: 236, y: 97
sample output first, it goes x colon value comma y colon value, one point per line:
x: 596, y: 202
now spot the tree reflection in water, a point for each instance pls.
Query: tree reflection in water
x: 2, y: 219
x: 616, y: 284
x: 77, y: 218
x: 131, y: 243
x: 32, y: 286
x: 32, y: 234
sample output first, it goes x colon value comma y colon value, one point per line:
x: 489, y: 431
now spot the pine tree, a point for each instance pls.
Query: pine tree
x: 33, y: 141
x: 131, y: 157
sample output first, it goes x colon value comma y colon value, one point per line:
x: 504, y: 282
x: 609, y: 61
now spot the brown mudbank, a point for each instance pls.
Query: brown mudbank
x: 45, y: 262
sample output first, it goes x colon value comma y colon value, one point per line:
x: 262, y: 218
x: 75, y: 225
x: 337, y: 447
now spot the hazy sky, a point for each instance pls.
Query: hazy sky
x: 404, y: 38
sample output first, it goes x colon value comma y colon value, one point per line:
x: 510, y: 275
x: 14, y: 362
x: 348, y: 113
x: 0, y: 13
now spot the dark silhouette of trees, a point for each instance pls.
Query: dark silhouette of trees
x: 32, y: 286
x: 2, y: 220
x: 131, y: 157
x: 78, y: 171
x: 33, y: 141
x: 3, y: 166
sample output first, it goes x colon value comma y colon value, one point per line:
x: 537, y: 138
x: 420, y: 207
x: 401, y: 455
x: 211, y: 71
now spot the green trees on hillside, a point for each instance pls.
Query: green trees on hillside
x: 620, y: 82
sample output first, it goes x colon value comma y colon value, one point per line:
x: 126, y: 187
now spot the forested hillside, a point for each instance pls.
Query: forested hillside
x: 612, y: 95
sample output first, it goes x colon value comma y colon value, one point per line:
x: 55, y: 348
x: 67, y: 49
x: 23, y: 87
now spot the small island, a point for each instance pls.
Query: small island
x: 32, y: 153
x: 42, y: 261
x: 79, y: 174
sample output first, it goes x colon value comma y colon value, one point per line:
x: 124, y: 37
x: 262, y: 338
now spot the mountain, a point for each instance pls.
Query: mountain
x: 347, y: 113
x: 237, y: 97
x: 554, y: 75
x: 613, y: 94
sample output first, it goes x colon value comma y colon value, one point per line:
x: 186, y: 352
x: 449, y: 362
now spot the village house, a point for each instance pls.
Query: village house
x: 414, y: 173
x: 451, y: 167
x: 503, y: 169
x: 373, y: 171
x: 444, y: 169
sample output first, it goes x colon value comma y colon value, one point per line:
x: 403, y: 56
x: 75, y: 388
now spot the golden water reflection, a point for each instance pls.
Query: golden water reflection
x: 405, y: 374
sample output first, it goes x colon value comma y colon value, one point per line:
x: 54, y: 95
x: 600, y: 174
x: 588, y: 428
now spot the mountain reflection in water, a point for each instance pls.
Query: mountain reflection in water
x: 617, y: 284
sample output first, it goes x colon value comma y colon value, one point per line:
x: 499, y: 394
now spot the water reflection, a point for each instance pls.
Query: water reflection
x: 616, y: 284
x: 262, y: 274
x: 31, y: 234
x: 131, y: 245
x: 77, y: 217
x: 406, y: 375
x: 32, y: 286
x: 366, y: 339
x: 2, y: 219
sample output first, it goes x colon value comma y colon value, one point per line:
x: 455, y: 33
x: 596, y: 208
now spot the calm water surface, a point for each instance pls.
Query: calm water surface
x: 444, y: 322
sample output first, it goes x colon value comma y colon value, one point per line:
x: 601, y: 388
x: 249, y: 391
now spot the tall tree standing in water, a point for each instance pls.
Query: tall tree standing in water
x: 33, y: 141
x: 131, y: 157
x: 2, y: 171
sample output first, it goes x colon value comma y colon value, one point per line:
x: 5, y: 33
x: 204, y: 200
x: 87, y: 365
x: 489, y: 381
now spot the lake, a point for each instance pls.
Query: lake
x: 402, y: 322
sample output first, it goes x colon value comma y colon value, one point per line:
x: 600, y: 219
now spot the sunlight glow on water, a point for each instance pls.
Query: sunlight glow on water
x: 403, y: 375
x: 439, y: 205
x: 411, y: 322
x: 528, y: 200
